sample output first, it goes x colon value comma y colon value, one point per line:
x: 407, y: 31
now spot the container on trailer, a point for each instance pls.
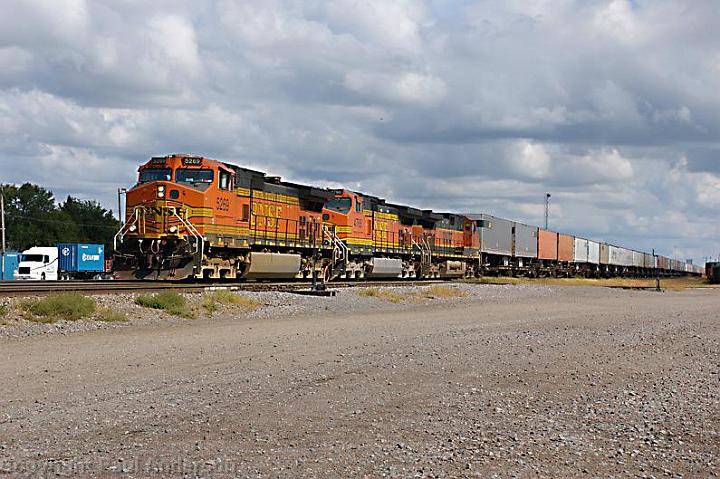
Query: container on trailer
x: 604, y: 253
x: 593, y: 252
x: 663, y: 263
x: 11, y: 262
x: 638, y: 259
x: 496, y: 235
x: 81, y: 258
x: 547, y: 244
x: 620, y: 256
x: 581, y: 250
x: 649, y: 261
x: 566, y: 248
x: 526, y: 243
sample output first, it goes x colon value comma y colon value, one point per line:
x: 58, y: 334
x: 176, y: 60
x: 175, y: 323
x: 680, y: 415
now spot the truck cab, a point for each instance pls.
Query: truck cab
x: 38, y: 263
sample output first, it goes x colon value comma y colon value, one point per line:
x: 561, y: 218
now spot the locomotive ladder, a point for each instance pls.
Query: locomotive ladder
x: 190, y: 228
x: 341, y: 253
x: 425, y: 255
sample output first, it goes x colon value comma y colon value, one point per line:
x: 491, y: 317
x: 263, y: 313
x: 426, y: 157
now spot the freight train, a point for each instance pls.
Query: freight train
x: 191, y: 217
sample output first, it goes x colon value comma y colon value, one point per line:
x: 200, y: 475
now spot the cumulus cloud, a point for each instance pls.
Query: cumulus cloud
x: 463, y: 106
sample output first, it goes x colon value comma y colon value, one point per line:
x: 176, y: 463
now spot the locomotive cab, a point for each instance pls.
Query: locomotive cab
x: 348, y: 213
x: 171, y: 195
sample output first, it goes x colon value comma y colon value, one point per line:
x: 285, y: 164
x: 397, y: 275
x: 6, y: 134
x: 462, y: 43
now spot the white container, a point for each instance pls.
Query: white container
x: 581, y: 250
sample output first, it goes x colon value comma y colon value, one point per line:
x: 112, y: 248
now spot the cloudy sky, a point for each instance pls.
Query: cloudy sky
x: 468, y: 106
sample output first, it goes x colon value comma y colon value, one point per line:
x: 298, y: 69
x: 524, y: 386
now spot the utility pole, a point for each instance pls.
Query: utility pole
x: 547, y: 209
x: 2, y: 214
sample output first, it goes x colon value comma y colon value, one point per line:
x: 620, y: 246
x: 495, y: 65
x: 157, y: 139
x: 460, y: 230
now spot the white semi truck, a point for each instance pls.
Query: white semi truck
x: 39, y: 263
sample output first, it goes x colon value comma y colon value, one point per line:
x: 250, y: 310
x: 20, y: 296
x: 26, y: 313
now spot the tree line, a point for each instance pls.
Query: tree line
x: 34, y: 218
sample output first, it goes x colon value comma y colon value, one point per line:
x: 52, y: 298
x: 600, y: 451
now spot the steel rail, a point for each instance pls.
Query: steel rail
x: 19, y: 288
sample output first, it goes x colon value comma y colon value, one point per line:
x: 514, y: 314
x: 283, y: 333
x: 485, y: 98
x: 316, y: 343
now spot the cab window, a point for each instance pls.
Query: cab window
x: 341, y: 205
x: 155, y: 174
x: 225, y: 180
x: 358, y: 206
x: 193, y: 175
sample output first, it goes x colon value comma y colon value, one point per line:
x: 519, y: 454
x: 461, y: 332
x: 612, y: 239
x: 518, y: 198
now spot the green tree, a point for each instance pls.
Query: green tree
x: 31, y: 216
x: 92, y: 222
x: 34, y: 219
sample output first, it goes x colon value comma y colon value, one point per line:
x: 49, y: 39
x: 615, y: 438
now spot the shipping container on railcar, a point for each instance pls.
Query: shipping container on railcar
x: 496, y: 237
x: 620, y: 256
x: 649, y: 261
x: 525, y: 242
x: 547, y: 245
x: 593, y: 252
x: 638, y: 260
x: 566, y: 255
x: 605, y: 254
x: 581, y: 251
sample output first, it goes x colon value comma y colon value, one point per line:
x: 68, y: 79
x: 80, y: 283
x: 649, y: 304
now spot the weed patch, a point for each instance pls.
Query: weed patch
x: 65, y: 306
x: 211, y: 302
x: 443, y: 292
x: 391, y: 296
x: 169, y: 301
x: 110, y: 316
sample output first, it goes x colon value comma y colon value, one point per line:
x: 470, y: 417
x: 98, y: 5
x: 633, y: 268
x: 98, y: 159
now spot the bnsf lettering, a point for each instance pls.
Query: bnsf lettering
x: 160, y: 210
x: 90, y: 257
x: 265, y: 216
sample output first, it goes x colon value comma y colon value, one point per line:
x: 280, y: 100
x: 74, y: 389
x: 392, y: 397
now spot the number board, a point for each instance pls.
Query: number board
x: 192, y: 161
x: 157, y: 161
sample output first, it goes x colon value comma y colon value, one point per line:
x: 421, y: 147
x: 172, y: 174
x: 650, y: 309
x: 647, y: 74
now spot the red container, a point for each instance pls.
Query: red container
x: 547, y: 244
x: 566, y: 248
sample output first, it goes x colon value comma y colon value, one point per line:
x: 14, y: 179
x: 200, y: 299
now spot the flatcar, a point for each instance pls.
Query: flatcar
x: 192, y: 217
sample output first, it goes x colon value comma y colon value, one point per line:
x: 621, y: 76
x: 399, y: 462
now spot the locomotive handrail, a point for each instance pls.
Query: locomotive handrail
x: 267, y: 228
x: 126, y: 225
x: 199, y: 240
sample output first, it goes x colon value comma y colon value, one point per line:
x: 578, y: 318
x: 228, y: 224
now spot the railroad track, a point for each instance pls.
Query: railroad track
x: 20, y: 288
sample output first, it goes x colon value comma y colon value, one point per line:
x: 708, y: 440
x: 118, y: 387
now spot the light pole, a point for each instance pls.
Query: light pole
x: 121, y: 216
x: 547, y: 208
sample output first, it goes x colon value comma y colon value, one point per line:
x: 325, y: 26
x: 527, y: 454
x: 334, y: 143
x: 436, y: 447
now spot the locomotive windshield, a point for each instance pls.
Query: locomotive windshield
x: 155, y: 174
x: 188, y: 175
x: 341, y: 205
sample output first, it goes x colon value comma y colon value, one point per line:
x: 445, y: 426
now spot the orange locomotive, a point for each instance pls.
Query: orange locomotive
x: 193, y: 217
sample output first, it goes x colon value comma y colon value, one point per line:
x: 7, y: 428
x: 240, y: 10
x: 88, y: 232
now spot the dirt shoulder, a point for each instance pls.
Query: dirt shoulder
x: 540, y: 381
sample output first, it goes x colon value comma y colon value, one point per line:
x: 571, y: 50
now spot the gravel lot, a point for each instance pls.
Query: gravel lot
x: 508, y: 381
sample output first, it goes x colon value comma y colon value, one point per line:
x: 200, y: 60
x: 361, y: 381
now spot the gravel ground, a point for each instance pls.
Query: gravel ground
x: 507, y: 381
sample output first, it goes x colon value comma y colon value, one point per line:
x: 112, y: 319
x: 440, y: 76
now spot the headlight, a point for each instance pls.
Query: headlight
x: 161, y: 194
x: 173, y: 229
x: 161, y: 188
x: 133, y: 228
